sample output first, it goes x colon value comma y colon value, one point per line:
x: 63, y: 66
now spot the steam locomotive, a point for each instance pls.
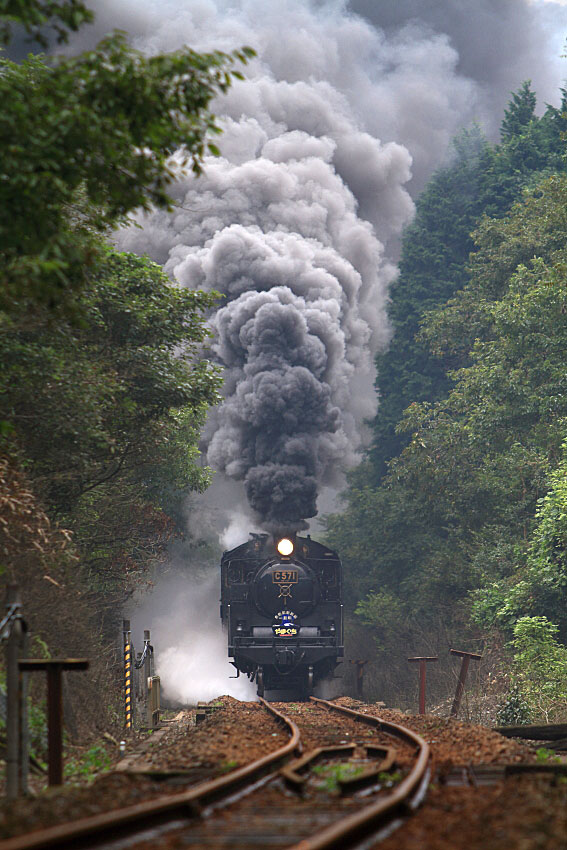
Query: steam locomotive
x: 281, y: 606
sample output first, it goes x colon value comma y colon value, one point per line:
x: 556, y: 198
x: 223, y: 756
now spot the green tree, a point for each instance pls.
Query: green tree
x: 481, y: 180
x: 457, y: 509
x: 107, y: 410
x: 35, y: 15
x: 104, y: 383
x: 520, y: 112
x: 540, y: 667
x: 86, y: 140
x: 539, y: 587
x: 432, y: 267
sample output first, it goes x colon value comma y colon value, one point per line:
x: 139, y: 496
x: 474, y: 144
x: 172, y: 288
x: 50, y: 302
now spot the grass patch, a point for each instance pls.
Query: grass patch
x: 543, y: 755
x: 89, y: 765
x: 333, y: 774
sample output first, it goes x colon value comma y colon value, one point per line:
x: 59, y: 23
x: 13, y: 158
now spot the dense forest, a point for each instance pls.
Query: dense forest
x: 454, y: 525
x: 99, y: 415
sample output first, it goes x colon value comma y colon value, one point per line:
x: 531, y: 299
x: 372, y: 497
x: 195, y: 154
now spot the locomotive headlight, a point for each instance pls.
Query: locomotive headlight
x: 285, y: 546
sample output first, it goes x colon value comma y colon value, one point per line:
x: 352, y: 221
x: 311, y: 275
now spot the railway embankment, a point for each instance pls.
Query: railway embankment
x: 473, y: 797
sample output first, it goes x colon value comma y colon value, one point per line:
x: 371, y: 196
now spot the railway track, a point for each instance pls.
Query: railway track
x: 334, y: 794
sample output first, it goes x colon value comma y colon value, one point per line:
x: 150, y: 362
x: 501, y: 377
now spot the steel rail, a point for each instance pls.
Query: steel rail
x: 406, y: 796
x: 189, y: 804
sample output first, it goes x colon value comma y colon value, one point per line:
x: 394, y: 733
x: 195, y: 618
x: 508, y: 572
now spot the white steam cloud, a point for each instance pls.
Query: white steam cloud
x: 183, y: 616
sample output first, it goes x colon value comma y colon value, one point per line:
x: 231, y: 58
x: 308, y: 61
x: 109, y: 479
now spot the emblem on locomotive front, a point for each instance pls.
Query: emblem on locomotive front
x: 285, y: 579
x: 286, y: 624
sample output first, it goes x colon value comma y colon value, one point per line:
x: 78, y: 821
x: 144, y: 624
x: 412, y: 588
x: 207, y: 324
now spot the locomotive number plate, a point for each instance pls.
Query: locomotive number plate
x: 284, y: 576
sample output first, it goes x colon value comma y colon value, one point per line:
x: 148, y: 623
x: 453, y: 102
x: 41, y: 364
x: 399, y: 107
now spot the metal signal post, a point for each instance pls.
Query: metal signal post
x: 128, y: 677
x: 141, y: 685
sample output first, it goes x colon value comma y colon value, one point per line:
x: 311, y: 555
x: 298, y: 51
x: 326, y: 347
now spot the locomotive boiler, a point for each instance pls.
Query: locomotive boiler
x: 281, y: 606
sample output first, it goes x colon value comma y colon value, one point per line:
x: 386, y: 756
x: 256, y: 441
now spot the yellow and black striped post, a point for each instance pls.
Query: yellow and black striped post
x: 128, y: 689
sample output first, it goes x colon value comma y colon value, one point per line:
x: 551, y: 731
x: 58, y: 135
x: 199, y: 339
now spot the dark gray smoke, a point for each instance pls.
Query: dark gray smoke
x: 296, y: 220
x: 412, y: 71
x: 275, y: 227
x: 497, y: 44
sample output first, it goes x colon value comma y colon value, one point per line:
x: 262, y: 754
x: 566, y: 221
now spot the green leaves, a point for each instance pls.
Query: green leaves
x: 93, y: 391
x: 468, y: 518
x: 107, y: 413
x: 520, y: 112
x: 86, y: 140
x: 434, y: 335
x: 36, y: 16
x: 540, y: 666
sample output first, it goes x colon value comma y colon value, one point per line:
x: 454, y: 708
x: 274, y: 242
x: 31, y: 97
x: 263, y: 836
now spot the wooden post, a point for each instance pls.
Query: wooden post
x: 54, y: 668
x: 13, y: 717
x: 359, y: 675
x: 466, y: 657
x: 24, y: 725
x: 139, y: 687
x: 423, y: 660
x: 155, y: 699
x: 17, y: 741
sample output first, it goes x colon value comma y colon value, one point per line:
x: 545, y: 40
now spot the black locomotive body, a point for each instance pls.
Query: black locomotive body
x: 281, y: 605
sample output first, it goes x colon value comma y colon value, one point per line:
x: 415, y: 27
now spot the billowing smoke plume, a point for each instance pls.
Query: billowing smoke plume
x: 305, y: 286
x: 412, y: 71
x: 275, y: 226
x: 293, y: 223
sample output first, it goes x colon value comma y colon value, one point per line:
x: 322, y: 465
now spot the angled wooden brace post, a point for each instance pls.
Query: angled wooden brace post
x: 466, y: 656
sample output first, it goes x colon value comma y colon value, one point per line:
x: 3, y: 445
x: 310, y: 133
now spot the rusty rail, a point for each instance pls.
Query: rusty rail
x: 189, y: 804
x: 405, y: 797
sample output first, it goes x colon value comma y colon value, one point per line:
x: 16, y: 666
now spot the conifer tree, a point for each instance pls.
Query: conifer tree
x: 520, y: 112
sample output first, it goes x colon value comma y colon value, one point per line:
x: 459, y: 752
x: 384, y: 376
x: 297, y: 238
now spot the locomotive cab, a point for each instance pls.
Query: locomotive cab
x: 281, y: 605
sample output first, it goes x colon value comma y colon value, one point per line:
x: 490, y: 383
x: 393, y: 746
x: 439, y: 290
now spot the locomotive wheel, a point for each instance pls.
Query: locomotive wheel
x: 260, y: 681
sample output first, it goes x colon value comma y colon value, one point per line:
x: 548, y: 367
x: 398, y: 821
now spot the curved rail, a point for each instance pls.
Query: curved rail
x: 190, y: 803
x: 407, y: 795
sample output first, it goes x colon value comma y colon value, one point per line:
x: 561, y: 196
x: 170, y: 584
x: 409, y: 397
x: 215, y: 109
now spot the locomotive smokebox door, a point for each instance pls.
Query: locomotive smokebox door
x: 286, y: 585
